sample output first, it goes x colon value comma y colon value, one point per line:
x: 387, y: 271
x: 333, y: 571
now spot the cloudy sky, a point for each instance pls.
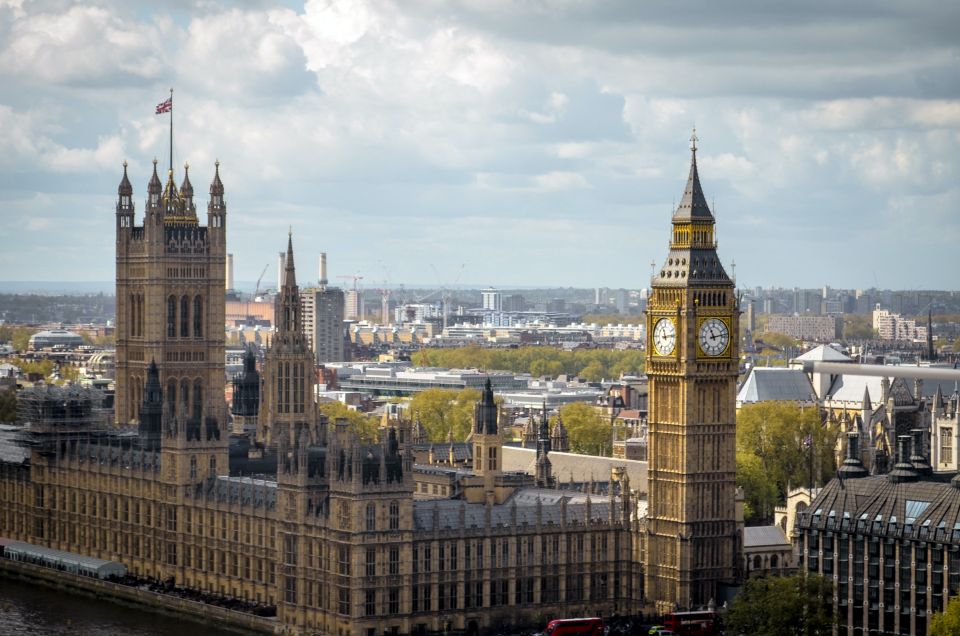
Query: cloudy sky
x: 501, y: 142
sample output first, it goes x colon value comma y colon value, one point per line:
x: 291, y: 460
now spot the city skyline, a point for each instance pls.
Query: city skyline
x: 521, y: 141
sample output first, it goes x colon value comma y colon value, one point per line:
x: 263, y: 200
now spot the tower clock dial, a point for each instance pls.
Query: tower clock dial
x: 664, y: 336
x: 714, y: 336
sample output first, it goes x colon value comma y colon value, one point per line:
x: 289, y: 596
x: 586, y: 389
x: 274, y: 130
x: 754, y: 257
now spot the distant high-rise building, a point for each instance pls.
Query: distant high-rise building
x: 514, y: 302
x: 492, y: 300
x: 323, y: 309
x: 353, y: 305
x: 229, y: 272
x: 620, y: 300
x: 323, y: 269
x: 281, y: 263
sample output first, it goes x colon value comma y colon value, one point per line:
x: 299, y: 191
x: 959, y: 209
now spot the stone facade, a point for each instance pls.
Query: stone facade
x: 692, y: 328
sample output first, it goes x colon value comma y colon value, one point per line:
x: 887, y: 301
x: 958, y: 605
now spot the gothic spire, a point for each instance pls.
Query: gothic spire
x: 125, y: 187
x: 485, y: 414
x: 216, y: 186
x: 289, y: 273
x: 154, y: 187
x: 186, y: 188
x: 693, y: 205
x: 866, y: 406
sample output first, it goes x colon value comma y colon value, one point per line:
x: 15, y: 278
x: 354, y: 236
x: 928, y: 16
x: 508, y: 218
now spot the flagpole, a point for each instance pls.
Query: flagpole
x: 171, y: 130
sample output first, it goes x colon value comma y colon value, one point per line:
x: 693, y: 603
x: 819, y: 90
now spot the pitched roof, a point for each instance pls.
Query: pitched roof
x: 764, y: 536
x: 769, y: 383
x: 824, y: 353
x: 879, y: 506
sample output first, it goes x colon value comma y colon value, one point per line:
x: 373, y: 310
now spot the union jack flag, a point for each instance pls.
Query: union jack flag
x: 165, y: 106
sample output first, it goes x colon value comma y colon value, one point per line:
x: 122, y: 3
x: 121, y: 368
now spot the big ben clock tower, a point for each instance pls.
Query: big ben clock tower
x: 692, y: 363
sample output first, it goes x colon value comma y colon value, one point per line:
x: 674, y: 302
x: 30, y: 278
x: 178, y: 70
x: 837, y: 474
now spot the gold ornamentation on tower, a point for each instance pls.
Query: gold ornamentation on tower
x: 691, y: 318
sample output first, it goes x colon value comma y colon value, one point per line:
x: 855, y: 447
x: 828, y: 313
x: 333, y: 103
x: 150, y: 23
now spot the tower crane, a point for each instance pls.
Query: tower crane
x: 445, y: 290
x: 256, y: 293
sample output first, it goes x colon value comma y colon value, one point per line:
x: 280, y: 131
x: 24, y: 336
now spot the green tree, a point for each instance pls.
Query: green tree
x: 778, y: 340
x: 857, y: 327
x: 592, y: 364
x: 19, y: 337
x: 444, y: 410
x: 8, y: 405
x: 759, y: 491
x: 783, y: 606
x: 367, y: 426
x: 790, y: 444
x: 612, y: 319
x: 588, y: 430
x: 947, y: 623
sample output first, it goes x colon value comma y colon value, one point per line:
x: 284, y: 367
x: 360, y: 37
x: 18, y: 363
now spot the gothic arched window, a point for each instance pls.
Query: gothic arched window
x: 197, y: 317
x: 371, y: 517
x: 184, y: 317
x: 171, y: 317
x: 394, y: 515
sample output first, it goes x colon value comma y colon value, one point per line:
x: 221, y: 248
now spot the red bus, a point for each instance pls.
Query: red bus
x: 575, y: 627
x: 704, y: 623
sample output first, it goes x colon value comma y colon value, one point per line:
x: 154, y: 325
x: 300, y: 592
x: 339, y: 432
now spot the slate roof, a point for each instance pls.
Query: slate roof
x: 878, y: 506
x: 444, y: 514
x: 582, y: 468
x: 764, y: 536
x: 12, y: 449
x: 769, y: 383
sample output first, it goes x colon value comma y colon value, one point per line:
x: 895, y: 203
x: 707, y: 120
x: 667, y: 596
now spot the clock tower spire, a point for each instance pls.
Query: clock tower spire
x: 692, y: 366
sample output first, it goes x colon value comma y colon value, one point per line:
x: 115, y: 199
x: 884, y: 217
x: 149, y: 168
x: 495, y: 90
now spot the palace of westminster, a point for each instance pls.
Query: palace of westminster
x: 300, y: 514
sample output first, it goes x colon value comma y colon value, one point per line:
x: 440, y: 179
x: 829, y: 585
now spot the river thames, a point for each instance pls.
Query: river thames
x: 39, y: 611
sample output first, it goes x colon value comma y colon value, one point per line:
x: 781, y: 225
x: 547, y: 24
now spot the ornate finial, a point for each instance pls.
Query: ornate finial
x: 693, y: 140
x: 186, y: 165
x: 124, y: 165
x: 154, y: 163
x: 289, y: 231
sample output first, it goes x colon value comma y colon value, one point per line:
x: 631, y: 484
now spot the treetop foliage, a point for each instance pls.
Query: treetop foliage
x: 590, y: 364
x: 781, y: 445
x: 798, y: 605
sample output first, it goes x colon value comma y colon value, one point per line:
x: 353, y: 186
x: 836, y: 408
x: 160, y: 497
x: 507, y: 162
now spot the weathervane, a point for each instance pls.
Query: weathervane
x: 693, y: 140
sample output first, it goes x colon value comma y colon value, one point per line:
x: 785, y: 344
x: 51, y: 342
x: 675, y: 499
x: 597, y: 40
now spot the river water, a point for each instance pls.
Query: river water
x: 40, y: 611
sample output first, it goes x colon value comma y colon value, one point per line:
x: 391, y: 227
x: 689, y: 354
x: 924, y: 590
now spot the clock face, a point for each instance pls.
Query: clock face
x: 664, y: 336
x: 714, y: 336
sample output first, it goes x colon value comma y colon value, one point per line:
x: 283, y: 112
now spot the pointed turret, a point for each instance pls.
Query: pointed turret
x: 186, y: 188
x: 154, y: 188
x: 125, y: 188
x: 216, y: 186
x: 124, y: 201
x: 289, y: 272
x: 289, y: 310
x: 867, y: 406
x: 693, y: 205
x: 485, y: 413
x: 693, y: 247
x: 151, y: 410
x: 559, y: 440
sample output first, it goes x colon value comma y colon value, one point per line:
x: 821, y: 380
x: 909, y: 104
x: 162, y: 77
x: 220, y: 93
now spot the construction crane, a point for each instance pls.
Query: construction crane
x: 445, y: 291
x: 355, y: 311
x: 256, y: 293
